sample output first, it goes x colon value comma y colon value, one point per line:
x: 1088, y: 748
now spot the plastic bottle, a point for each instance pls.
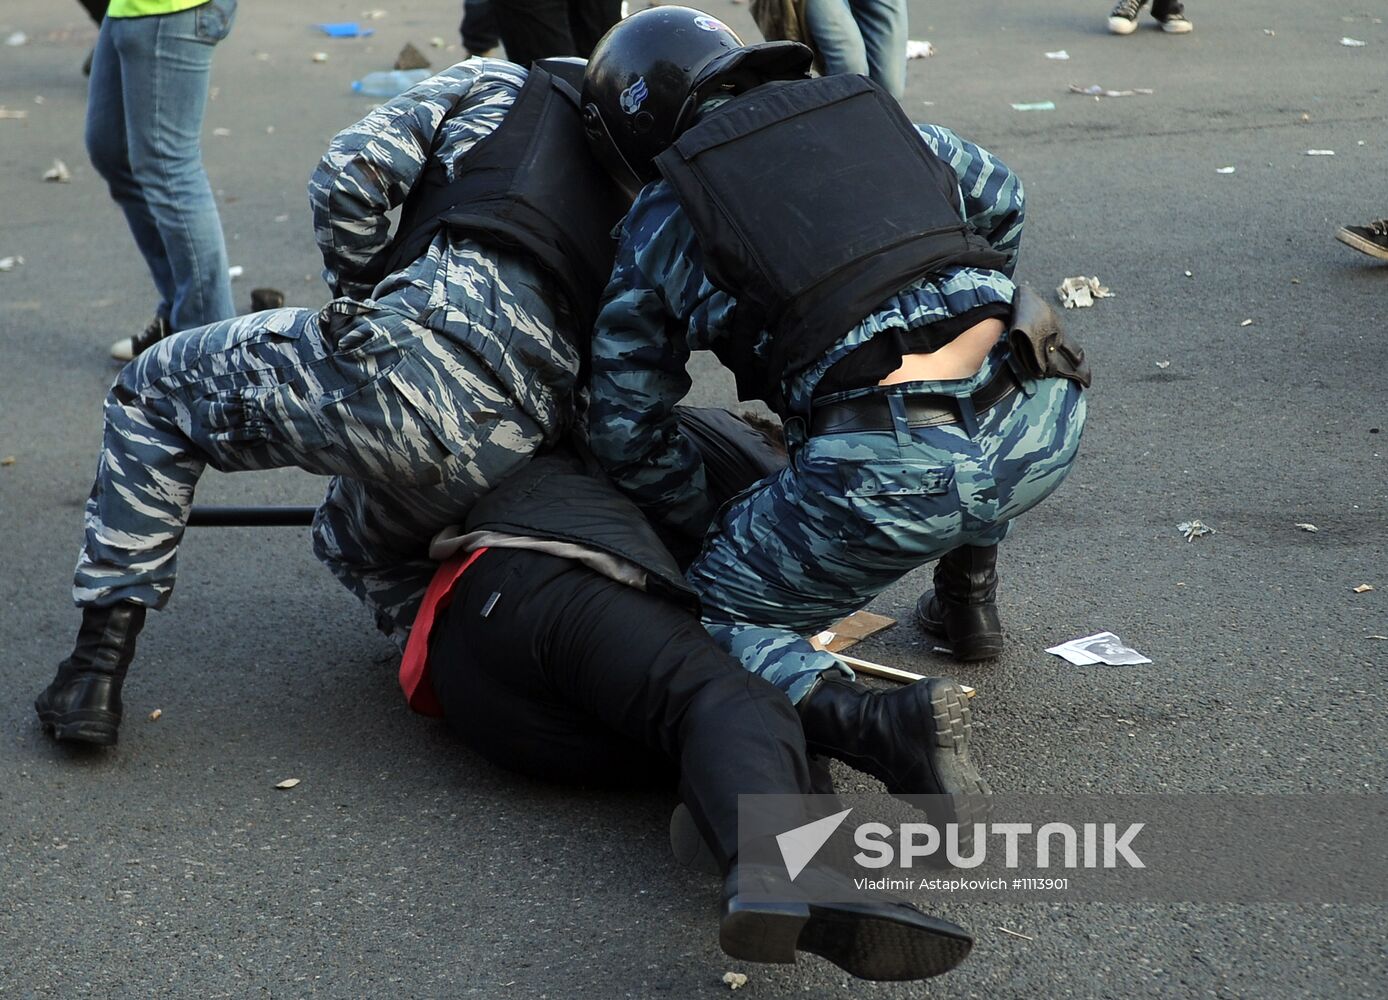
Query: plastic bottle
x: 390, y: 83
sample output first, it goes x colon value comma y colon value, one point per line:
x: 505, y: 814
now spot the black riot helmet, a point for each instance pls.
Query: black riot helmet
x: 648, y: 75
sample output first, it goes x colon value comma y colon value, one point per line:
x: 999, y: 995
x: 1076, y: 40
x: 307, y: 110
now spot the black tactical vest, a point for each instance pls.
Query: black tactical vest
x: 531, y: 185
x: 813, y: 202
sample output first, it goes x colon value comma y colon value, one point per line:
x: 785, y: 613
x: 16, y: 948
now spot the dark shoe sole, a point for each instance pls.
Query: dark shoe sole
x: 960, y: 795
x: 953, y: 725
x: 97, y: 728
x: 863, y: 942
x: 983, y: 646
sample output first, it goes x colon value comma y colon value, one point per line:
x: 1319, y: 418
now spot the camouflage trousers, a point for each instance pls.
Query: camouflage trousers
x: 854, y: 512
x: 412, y: 429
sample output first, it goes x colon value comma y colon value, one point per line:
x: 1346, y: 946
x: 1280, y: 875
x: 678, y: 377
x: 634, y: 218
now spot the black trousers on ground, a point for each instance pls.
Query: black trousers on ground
x: 546, y: 667
x: 535, y: 29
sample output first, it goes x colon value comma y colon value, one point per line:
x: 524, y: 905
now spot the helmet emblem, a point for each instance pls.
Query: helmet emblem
x: 710, y: 23
x: 634, y: 96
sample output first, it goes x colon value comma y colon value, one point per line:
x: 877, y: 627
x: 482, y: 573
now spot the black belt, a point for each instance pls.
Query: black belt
x: 930, y: 409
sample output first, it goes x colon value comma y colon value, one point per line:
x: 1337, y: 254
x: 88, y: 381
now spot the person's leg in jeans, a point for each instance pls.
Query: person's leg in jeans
x: 837, y: 37
x: 884, y: 29
x: 144, y: 123
x: 539, y: 668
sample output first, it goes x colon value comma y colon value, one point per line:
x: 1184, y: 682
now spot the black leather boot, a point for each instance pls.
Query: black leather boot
x: 83, y: 703
x: 915, y: 739
x: 875, y: 938
x: 961, y: 610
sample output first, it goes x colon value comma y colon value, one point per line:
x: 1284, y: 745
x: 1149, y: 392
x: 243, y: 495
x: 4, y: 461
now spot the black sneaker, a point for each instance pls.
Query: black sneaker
x: 1122, y: 20
x: 129, y: 347
x: 1371, y: 239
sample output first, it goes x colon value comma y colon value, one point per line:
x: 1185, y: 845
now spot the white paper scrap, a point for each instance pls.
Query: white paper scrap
x: 1101, y: 647
x: 919, y: 49
x: 1059, y: 54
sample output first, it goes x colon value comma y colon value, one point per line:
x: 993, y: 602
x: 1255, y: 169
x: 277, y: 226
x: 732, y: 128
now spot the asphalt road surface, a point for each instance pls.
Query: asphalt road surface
x: 402, y: 865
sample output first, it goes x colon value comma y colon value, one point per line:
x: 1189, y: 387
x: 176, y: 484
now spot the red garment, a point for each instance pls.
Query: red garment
x: 414, y: 665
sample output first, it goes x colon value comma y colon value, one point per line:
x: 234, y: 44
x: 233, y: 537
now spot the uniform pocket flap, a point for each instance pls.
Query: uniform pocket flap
x: 887, y: 478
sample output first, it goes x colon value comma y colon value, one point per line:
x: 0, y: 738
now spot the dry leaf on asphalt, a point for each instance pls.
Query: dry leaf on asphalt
x: 287, y: 783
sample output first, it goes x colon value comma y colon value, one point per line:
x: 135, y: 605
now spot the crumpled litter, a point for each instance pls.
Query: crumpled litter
x: 18, y: 38
x: 320, y: 57
x: 58, y: 173
x: 919, y: 49
x: 1035, y: 106
x: 735, y: 980
x: 1224, y: 170
x: 1194, y: 529
x: 235, y: 271
x: 1306, y: 526
x: 1363, y: 588
x: 10, y: 263
x: 1101, y: 647
x: 1352, y: 43
x: 1320, y: 152
x: 1094, y: 90
x: 1080, y: 292
x: 1059, y: 54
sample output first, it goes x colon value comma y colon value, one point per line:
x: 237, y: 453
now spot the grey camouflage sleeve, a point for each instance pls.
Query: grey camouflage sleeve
x: 994, y: 202
x: 370, y: 167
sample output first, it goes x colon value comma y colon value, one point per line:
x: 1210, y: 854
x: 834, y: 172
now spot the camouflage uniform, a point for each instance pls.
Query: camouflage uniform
x: 852, y: 512
x: 418, y: 394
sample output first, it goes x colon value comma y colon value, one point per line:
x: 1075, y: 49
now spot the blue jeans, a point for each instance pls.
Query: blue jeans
x: 144, y: 120
x: 854, y: 512
x: 867, y: 37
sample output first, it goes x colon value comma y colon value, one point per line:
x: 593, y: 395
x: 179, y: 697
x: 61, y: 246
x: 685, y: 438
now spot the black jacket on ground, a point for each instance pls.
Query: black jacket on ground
x: 564, y: 495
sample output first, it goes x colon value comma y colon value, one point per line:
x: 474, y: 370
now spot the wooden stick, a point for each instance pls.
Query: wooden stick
x: 890, y: 673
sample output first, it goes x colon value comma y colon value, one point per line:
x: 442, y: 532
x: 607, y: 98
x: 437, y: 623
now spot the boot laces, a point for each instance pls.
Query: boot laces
x: 1128, y: 9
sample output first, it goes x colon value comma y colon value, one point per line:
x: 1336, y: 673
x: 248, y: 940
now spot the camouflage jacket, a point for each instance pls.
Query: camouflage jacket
x: 660, y: 306
x: 498, y: 306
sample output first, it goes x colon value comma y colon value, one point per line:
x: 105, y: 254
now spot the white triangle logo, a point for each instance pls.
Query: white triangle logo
x: 799, y: 846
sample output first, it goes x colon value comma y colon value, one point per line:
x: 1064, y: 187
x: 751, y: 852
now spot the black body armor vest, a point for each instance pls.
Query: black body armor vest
x: 531, y: 185
x: 813, y: 202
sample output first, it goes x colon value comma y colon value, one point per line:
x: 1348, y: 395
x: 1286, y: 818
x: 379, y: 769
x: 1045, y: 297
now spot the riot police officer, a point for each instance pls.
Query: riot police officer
x: 854, y: 272
x: 449, y: 356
